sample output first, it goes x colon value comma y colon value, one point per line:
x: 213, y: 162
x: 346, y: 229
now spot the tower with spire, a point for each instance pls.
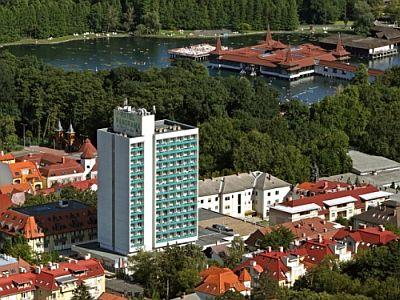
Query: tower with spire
x: 340, y: 52
x: 71, y: 136
x: 59, y: 136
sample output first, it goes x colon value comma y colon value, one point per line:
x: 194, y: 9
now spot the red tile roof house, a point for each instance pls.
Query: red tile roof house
x: 303, y: 230
x: 329, y: 206
x: 55, y: 281
x: 320, y: 187
x: 51, y: 226
x: 284, y: 266
x: 317, y: 249
x: 217, y: 281
x: 365, y: 237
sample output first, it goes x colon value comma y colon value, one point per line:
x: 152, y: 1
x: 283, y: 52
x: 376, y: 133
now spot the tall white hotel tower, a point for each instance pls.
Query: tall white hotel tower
x: 148, y: 172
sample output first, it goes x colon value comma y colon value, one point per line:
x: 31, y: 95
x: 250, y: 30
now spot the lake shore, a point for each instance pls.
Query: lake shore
x: 166, y: 34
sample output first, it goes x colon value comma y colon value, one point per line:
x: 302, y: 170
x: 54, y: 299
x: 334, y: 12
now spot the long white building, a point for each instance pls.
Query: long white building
x: 148, y: 172
x: 242, y: 194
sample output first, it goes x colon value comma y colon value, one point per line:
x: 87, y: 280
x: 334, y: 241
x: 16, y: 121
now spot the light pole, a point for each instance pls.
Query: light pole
x: 23, y: 130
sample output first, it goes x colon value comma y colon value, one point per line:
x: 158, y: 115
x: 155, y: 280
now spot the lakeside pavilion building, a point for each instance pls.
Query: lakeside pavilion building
x: 148, y: 182
x: 274, y: 58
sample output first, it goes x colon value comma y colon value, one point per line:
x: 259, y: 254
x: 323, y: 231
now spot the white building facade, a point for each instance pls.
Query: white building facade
x: 242, y: 194
x: 147, y: 183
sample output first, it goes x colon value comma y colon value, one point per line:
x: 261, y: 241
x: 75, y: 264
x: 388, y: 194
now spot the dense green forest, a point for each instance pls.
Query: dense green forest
x: 54, y: 18
x: 242, y: 125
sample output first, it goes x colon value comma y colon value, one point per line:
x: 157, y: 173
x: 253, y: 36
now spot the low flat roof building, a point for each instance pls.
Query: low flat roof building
x: 242, y: 228
x: 368, y: 47
x: 370, y: 169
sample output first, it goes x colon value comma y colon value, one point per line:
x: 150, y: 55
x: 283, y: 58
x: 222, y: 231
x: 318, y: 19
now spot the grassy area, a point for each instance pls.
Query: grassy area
x: 63, y: 39
x: 176, y: 34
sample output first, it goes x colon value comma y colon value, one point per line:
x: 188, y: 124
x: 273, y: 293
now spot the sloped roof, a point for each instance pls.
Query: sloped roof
x: 48, y: 277
x: 16, y: 169
x: 67, y: 168
x: 370, y: 235
x: 15, y: 223
x: 303, y: 229
x: 319, y: 199
x: 265, y: 181
x: 82, y: 185
x: 271, y: 262
x: 217, y: 281
x: 87, y: 144
x: 12, y: 285
x: 7, y: 156
x: 15, y: 188
x: 322, y: 186
x: 5, y: 202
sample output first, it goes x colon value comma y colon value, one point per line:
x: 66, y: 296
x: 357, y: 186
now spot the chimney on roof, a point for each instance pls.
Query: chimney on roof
x: 269, y: 249
x: 37, y: 269
x: 319, y: 238
x: 301, y: 196
x: 289, y: 198
x: 381, y: 228
x: 280, y: 249
x: 63, y: 160
x: 303, y: 235
x: 325, y: 184
x: 324, y: 222
x: 253, y: 263
x: 325, y: 230
x: 2, y: 153
x: 350, y: 228
x: 363, y: 226
x: 87, y: 256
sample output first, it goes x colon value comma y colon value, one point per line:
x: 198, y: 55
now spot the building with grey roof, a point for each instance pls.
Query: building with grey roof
x: 387, y: 213
x: 242, y: 194
x: 370, y: 169
x: 364, y: 164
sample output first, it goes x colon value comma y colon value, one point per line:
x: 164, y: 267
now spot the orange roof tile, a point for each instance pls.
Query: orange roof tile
x: 5, y: 202
x: 108, y: 296
x: 6, y: 157
x: 69, y: 167
x: 17, y: 169
x: 15, y: 188
x: 87, y: 144
x: 15, y: 223
x: 217, y: 281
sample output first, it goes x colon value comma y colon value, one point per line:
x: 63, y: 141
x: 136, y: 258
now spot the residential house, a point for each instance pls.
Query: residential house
x: 242, y: 194
x: 386, y: 213
x: 303, y: 230
x: 20, y: 172
x: 51, y: 226
x: 10, y: 265
x: 217, y: 281
x: 308, y: 189
x: 284, y: 266
x: 17, y: 192
x: 55, y: 281
x: 329, y: 206
x: 268, y: 191
x: 7, y: 158
x: 229, y: 195
x: 63, y: 173
x: 316, y: 250
x: 365, y: 237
